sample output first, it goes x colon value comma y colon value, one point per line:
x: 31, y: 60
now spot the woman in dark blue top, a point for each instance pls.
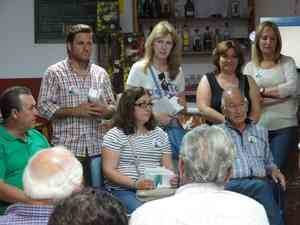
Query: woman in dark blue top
x: 228, y: 59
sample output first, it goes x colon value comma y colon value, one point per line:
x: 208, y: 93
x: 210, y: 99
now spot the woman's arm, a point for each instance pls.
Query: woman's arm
x: 287, y: 88
x: 110, y: 162
x: 255, y: 100
x: 204, y: 96
x: 166, y: 161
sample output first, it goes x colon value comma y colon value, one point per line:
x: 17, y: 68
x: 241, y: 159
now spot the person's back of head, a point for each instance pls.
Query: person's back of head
x: 89, y: 207
x: 52, y: 174
x: 206, y: 156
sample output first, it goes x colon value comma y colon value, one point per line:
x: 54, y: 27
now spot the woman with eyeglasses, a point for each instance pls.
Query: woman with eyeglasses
x: 228, y: 60
x: 277, y: 77
x: 133, y: 144
x: 159, y: 70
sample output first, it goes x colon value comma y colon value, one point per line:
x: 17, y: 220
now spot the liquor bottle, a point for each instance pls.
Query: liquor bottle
x: 117, y: 77
x: 165, y: 8
x: 217, y: 37
x: 156, y: 8
x: 147, y: 9
x: 141, y: 8
x: 197, y: 45
x: 189, y: 9
x: 226, y: 32
x: 186, y: 38
x: 207, y: 39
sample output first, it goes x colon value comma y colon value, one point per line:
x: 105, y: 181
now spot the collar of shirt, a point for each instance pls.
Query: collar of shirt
x: 248, y: 122
x: 10, y: 137
x: 68, y: 62
x: 199, y: 187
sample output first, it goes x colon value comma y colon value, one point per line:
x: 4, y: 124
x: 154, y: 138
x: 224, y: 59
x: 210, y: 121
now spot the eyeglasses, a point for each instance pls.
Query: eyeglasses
x: 144, y: 105
x: 164, y: 84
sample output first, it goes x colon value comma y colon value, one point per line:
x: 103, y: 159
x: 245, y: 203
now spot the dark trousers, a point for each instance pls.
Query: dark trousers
x: 86, y: 162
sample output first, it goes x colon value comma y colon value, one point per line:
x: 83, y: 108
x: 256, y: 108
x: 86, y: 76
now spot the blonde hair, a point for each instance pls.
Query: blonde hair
x: 257, y: 55
x: 162, y: 29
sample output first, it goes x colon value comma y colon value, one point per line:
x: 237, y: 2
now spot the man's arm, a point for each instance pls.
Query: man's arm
x: 12, y: 194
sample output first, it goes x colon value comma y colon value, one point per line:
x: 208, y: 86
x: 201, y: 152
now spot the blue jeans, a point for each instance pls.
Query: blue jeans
x: 263, y: 192
x: 128, y: 199
x: 281, y: 142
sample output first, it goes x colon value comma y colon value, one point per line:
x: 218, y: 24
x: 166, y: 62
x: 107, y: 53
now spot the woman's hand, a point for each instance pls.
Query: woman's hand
x: 174, y: 181
x: 144, y: 184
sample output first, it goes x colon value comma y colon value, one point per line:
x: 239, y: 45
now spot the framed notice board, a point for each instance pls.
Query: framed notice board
x: 54, y: 17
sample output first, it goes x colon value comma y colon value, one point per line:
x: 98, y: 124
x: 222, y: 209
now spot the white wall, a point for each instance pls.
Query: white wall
x: 20, y: 57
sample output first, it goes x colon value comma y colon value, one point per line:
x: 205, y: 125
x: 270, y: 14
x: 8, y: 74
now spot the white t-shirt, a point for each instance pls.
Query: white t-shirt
x: 138, y: 78
x: 284, y: 75
x: 201, y: 204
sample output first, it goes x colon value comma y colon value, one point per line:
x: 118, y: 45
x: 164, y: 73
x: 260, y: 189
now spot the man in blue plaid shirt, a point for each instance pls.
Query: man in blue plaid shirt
x: 254, y: 161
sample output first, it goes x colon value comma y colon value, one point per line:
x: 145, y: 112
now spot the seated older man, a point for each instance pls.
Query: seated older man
x: 52, y: 174
x: 205, y: 163
x: 254, y: 161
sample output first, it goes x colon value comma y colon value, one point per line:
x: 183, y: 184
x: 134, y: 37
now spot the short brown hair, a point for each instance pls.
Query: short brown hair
x: 222, y: 49
x: 75, y: 29
x: 10, y: 99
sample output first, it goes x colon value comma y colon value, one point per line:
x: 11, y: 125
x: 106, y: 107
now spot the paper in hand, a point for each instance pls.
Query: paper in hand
x: 167, y: 105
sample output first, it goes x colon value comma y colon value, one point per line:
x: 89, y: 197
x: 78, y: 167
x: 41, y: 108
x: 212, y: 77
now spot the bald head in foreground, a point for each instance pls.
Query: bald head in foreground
x: 51, y: 175
x: 205, y: 164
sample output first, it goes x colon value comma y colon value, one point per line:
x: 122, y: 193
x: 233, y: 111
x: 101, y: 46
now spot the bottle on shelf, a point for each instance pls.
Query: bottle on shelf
x: 217, y: 37
x: 189, y: 9
x: 185, y: 38
x: 147, y: 9
x: 117, y: 77
x: 207, y: 39
x: 156, y: 8
x: 141, y: 8
x: 165, y: 8
x: 226, y: 32
x: 197, y: 41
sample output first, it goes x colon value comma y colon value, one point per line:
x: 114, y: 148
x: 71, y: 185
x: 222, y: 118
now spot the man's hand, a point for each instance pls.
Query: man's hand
x: 91, y: 110
x: 277, y: 176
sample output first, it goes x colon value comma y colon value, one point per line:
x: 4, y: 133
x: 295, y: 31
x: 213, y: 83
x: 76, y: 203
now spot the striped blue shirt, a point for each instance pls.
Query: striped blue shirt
x: 253, y: 155
x: 25, y: 214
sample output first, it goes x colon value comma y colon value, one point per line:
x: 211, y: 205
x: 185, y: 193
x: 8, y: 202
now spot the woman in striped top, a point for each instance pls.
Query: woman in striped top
x: 133, y: 144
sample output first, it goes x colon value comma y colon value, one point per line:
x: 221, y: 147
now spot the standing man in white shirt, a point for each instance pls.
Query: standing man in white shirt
x: 75, y: 96
x: 205, y: 163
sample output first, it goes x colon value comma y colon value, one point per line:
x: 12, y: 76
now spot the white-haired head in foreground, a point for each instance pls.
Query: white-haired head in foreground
x: 53, y: 173
x: 206, y: 155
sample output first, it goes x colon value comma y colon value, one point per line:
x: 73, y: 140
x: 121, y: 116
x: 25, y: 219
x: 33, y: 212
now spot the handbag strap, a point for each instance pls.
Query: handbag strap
x: 135, y: 156
x: 156, y: 82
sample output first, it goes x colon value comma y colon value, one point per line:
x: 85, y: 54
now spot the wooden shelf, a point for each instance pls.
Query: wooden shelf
x: 191, y: 20
x: 194, y: 53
